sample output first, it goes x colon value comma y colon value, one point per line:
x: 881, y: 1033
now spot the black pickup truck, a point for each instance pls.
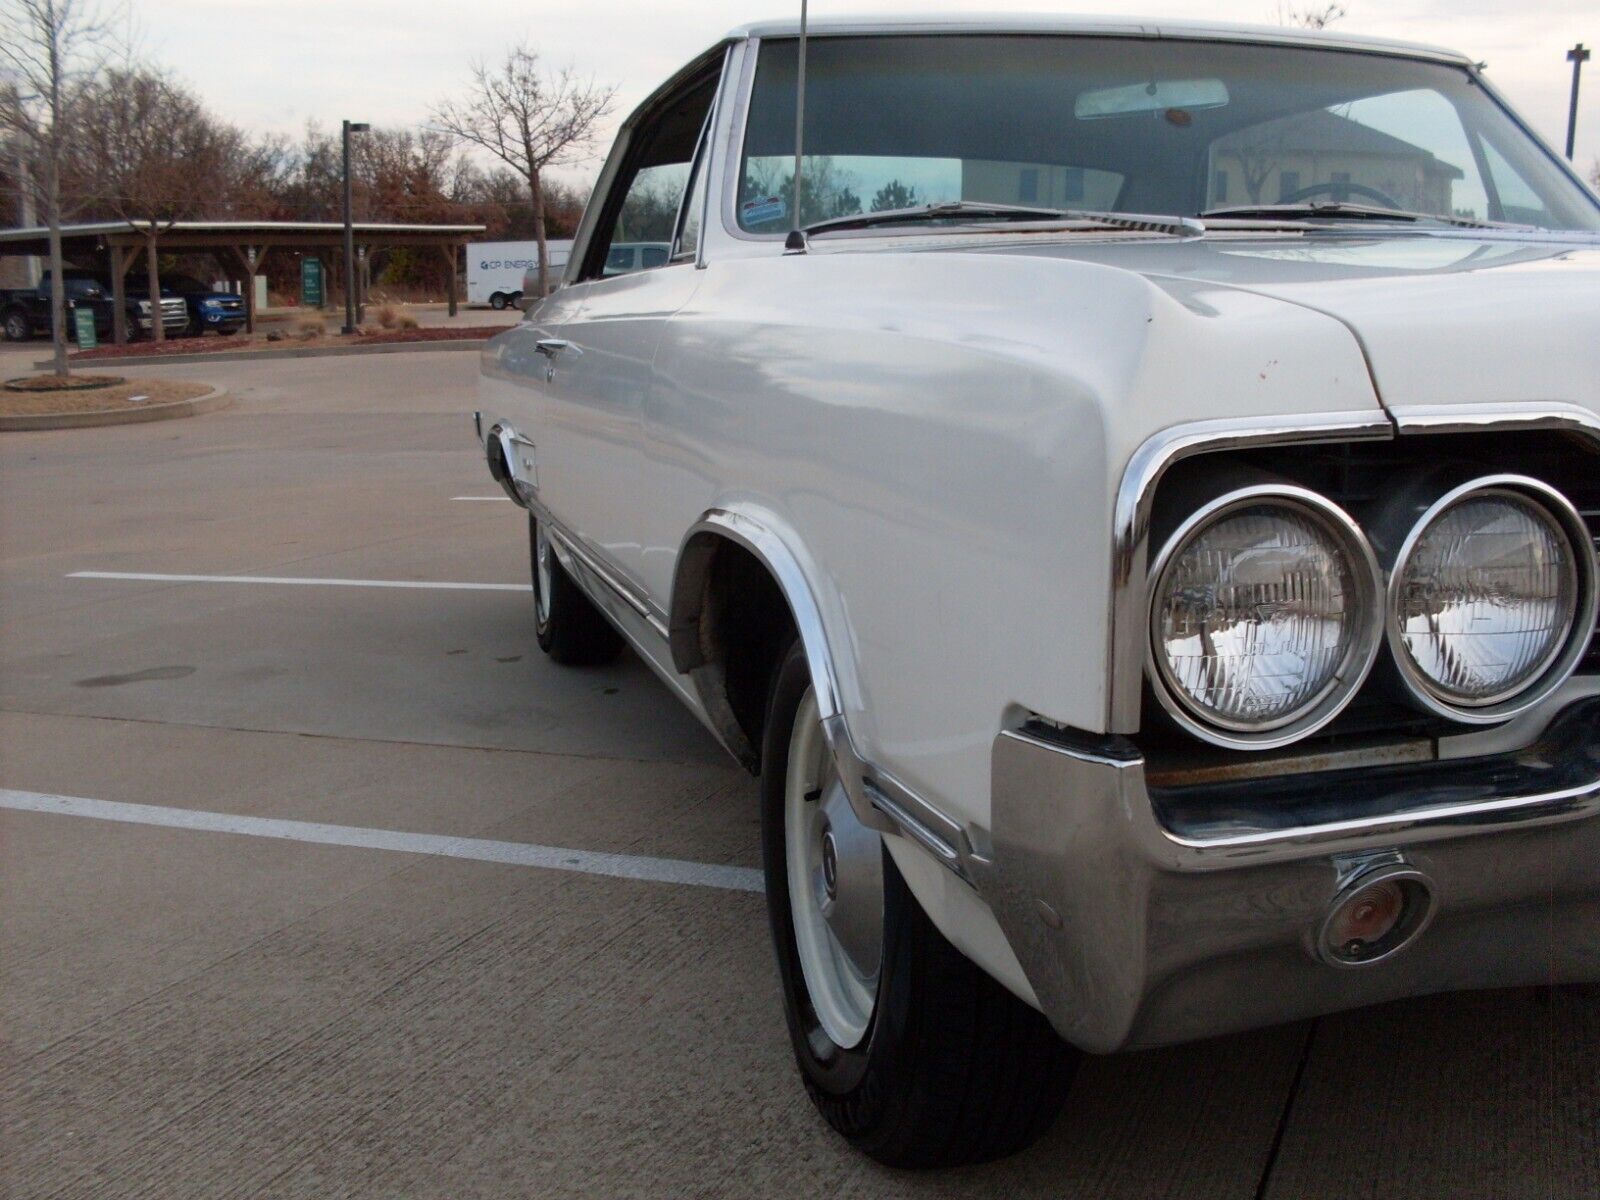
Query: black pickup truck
x: 25, y: 312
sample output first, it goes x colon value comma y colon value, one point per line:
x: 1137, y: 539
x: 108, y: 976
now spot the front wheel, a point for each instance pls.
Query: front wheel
x: 907, y: 1048
x: 569, y: 628
x: 16, y: 326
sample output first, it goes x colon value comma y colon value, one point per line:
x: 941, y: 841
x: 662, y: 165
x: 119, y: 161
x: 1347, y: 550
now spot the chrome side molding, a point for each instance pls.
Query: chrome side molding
x: 883, y: 803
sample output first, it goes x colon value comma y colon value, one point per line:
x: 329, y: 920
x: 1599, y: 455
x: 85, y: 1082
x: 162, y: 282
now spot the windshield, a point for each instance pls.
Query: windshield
x: 1136, y: 125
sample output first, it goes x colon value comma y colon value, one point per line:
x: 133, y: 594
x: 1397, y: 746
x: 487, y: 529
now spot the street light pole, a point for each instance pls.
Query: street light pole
x: 1577, y: 56
x: 349, y: 232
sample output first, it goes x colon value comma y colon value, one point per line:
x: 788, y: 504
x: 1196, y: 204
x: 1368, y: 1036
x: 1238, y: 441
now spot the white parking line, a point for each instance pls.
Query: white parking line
x: 497, y: 499
x: 430, y: 584
x: 553, y: 858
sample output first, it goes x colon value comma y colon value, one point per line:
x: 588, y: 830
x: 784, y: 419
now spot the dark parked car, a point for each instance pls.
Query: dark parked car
x: 25, y: 312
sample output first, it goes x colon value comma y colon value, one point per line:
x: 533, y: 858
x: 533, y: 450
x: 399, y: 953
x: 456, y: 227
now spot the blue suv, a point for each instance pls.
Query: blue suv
x: 208, y: 308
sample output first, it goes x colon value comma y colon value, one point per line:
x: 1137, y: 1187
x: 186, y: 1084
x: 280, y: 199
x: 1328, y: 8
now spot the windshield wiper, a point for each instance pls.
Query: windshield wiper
x: 1340, y: 210
x: 983, y: 211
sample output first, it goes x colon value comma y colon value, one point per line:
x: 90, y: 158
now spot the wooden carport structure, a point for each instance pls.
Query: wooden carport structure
x: 241, y: 246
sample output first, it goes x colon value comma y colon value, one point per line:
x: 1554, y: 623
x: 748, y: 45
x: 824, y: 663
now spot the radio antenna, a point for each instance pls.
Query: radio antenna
x: 795, y: 243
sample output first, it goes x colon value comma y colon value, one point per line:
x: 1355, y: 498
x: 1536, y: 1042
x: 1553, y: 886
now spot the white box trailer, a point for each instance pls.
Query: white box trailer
x: 495, y: 269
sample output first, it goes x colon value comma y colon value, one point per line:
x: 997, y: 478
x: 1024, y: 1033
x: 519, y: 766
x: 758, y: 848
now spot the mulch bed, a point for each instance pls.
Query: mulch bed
x: 29, y: 384
x: 207, y: 345
x: 140, y: 393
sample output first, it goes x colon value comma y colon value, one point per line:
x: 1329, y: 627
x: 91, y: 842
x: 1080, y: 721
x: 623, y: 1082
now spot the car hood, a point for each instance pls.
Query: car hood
x: 1451, y: 318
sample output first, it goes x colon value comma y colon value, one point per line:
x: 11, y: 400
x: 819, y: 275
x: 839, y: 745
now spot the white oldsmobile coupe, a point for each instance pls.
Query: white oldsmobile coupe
x: 1130, y: 503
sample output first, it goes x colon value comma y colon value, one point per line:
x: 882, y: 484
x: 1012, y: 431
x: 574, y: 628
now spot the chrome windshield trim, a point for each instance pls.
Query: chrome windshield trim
x: 1130, y: 539
x: 733, y: 153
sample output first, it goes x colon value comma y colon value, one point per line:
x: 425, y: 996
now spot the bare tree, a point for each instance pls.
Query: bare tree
x: 1310, y: 16
x: 46, y: 47
x: 531, y: 119
x: 154, y: 156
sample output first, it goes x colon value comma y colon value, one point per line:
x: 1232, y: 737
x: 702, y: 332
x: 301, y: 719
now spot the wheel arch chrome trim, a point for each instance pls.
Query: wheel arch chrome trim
x: 880, y: 801
x: 696, y: 553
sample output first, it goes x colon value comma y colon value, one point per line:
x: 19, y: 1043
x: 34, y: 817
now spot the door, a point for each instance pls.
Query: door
x: 522, y: 398
x: 636, y: 273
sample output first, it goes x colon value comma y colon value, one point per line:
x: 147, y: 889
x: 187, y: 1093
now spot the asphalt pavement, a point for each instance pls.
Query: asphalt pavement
x: 313, y: 885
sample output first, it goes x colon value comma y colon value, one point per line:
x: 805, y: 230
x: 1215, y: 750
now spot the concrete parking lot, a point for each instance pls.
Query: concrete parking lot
x: 354, y: 894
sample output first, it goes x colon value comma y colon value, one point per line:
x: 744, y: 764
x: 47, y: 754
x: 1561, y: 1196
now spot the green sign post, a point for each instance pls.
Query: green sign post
x: 83, y: 328
x: 311, y: 282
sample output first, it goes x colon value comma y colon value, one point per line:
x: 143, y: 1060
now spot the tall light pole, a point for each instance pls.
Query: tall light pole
x: 349, y: 232
x: 1577, y: 56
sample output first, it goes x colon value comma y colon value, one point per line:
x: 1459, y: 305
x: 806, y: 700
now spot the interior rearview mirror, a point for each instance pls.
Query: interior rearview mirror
x: 1154, y: 96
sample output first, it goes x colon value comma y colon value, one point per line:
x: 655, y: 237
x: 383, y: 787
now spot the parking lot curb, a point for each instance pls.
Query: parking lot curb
x: 216, y: 398
x: 133, y: 360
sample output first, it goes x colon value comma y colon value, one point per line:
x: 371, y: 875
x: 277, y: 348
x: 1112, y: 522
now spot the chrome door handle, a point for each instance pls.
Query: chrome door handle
x: 550, y: 347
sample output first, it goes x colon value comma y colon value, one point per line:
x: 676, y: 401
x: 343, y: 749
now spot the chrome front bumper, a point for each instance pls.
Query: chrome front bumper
x: 1144, y: 916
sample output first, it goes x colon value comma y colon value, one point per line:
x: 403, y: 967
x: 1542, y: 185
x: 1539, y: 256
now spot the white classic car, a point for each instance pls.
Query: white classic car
x: 1132, y: 511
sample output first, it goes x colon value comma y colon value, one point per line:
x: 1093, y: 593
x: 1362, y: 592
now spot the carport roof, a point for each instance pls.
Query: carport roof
x: 200, y: 234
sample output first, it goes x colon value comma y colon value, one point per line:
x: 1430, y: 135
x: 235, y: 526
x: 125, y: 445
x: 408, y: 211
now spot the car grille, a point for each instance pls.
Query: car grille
x: 1590, y: 512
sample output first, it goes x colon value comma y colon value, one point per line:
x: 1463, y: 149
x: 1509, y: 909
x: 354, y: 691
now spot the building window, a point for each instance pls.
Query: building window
x: 1219, y: 187
x: 1028, y: 184
x: 1288, y: 184
x: 1072, y: 184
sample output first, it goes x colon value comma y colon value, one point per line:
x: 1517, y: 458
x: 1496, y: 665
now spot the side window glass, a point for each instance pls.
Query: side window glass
x: 642, y: 236
x: 1518, y: 202
x: 640, y: 222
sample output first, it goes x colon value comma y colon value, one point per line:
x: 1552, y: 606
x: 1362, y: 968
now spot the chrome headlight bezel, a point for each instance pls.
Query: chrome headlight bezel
x: 1559, y: 665
x: 1353, y: 667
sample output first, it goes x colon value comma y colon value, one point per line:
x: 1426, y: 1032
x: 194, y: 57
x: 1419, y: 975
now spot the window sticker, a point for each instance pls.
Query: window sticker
x: 760, y: 212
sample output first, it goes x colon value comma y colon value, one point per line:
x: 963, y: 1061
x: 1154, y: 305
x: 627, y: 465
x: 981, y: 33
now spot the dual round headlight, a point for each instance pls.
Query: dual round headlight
x: 1268, y: 609
x: 1491, y: 599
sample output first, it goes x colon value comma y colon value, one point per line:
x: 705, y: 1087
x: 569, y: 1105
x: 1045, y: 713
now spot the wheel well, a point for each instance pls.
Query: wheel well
x: 499, y: 469
x: 729, y: 637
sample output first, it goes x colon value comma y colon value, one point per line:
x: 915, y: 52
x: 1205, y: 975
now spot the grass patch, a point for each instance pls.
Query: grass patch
x: 137, y: 393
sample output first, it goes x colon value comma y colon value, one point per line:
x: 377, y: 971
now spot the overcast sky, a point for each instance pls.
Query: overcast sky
x: 274, y: 64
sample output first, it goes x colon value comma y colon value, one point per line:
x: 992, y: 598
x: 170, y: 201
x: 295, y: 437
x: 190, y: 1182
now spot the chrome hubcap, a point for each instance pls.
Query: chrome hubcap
x: 835, y: 867
x: 541, y: 566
